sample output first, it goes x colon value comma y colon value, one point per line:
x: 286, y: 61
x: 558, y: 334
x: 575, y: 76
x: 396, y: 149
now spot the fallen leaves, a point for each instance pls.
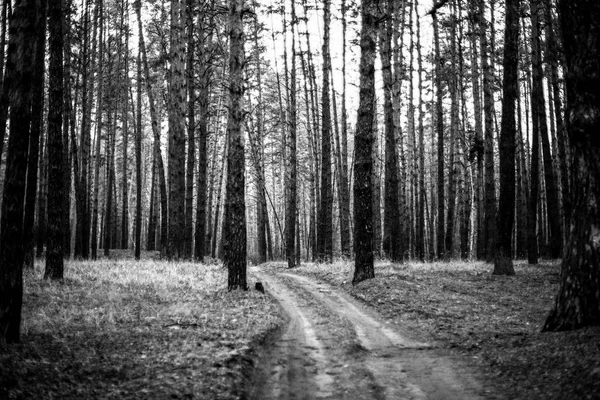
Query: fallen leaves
x: 126, y: 329
x: 494, y: 320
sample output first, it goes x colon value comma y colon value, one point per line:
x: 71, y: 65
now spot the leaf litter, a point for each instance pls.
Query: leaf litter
x: 495, y: 321
x: 120, y: 329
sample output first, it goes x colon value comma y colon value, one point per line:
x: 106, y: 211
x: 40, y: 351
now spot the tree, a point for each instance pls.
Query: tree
x: 488, y: 145
x: 506, y: 208
x: 138, y: 161
x: 578, y: 300
x: 391, y: 223
x: 37, y: 110
x: 234, y: 232
x: 176, y: 136
x: 324, y: 224
x: 439, y: 120
x: 54, y: 252
x: 363, y: 145
x: 290, y: 217
x: 20, y: 57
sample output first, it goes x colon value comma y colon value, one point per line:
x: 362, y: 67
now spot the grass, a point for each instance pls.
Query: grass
x: 493, y: 320
x: 124, y: 329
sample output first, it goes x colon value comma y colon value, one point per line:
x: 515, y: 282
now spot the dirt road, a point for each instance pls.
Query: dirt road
x: 335, y: 348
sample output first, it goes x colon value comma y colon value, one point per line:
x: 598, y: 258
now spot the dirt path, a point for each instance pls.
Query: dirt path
x: 335, y: 348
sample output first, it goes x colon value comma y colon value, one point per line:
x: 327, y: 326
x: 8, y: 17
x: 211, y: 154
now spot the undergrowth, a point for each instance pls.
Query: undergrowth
x: 127, y: 329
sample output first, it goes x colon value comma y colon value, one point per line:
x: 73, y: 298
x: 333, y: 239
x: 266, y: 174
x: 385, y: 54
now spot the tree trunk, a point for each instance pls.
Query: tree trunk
x: 488, y: 145
x: 176, y: 137
x: 363, y: 146
x: 439, y: 119
x: 54, y: 253
x: 290, y: 217
x: 21, y: 49
x: 37, y: 110
x: 554, y: 221
x: 578, y: 300
x: 125, y: 118
x: 138, y: 162
x: 191, y: 139
x: 325, y: 228
x: 234, y: 240
x: 506, y: 209
x: 392, y: 244
x: 156, y: 134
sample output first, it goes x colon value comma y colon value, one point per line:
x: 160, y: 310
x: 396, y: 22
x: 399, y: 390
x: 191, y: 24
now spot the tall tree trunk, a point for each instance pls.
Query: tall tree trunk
x: 454, y: 117
x: 439, y: 119
x: 176, y: 137
x: 54, y: 253
x: 156, y: 134
x: 391, y: 223
x: 138, y: 162
x: 506, y: 209
x: 563, y: 147
x: 554, y: 222
x: 477, y: 147
x: 21, y: 48
x: 99, y: 115
x: 578, y: 301
x: 37, y: 110
x: 234, y: 240
x: 191, y: 133
x: 325, y: 225
x: 363, y: 146
x: 125, y: 118
x: 488, y: 144
x: 420, y: 231
x: 290, y: 217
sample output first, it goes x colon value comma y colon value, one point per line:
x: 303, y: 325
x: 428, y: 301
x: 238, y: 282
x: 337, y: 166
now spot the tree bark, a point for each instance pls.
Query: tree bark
x: 20, y: 59
x: 324, y: 224
x: 363, y: 146
x: 176, y: 137
x: 37, y: 110
x: 290, y: 217
x: 391, y: 222
x: 54, y: 253
x: 234, y: 240
x: 578, y: 300
x: 506, y: 209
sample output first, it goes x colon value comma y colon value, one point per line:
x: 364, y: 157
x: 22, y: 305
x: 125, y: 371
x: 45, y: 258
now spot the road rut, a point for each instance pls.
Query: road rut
x: 333, y: 347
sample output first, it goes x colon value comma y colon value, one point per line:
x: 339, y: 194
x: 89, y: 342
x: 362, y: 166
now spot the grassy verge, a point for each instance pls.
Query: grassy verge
x: 126, y: 329
x: 493, y: 320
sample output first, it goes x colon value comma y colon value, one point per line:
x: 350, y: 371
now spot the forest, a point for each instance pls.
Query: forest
x: 244, y: 133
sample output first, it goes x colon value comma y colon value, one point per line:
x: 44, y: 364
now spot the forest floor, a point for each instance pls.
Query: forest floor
x: 490, y: 323
x: 120, y: 329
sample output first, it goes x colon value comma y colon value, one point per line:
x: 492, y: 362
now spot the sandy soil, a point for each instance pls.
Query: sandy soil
x: 332, y: 347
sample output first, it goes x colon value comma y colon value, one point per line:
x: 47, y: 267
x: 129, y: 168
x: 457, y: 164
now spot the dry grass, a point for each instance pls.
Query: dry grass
x: 493, y: 320
x: 126, y: 329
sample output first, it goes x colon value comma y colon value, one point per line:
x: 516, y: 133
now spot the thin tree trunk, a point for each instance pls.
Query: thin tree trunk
x: 290, y: 217
x: 156, y: 133
x: 191, y: 139
x: 439, y: 119
x: 488, y: 145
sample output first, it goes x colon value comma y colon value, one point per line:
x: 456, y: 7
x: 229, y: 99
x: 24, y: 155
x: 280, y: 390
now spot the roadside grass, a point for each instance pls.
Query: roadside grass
x: 121, y: 329
x: 494, y: 320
